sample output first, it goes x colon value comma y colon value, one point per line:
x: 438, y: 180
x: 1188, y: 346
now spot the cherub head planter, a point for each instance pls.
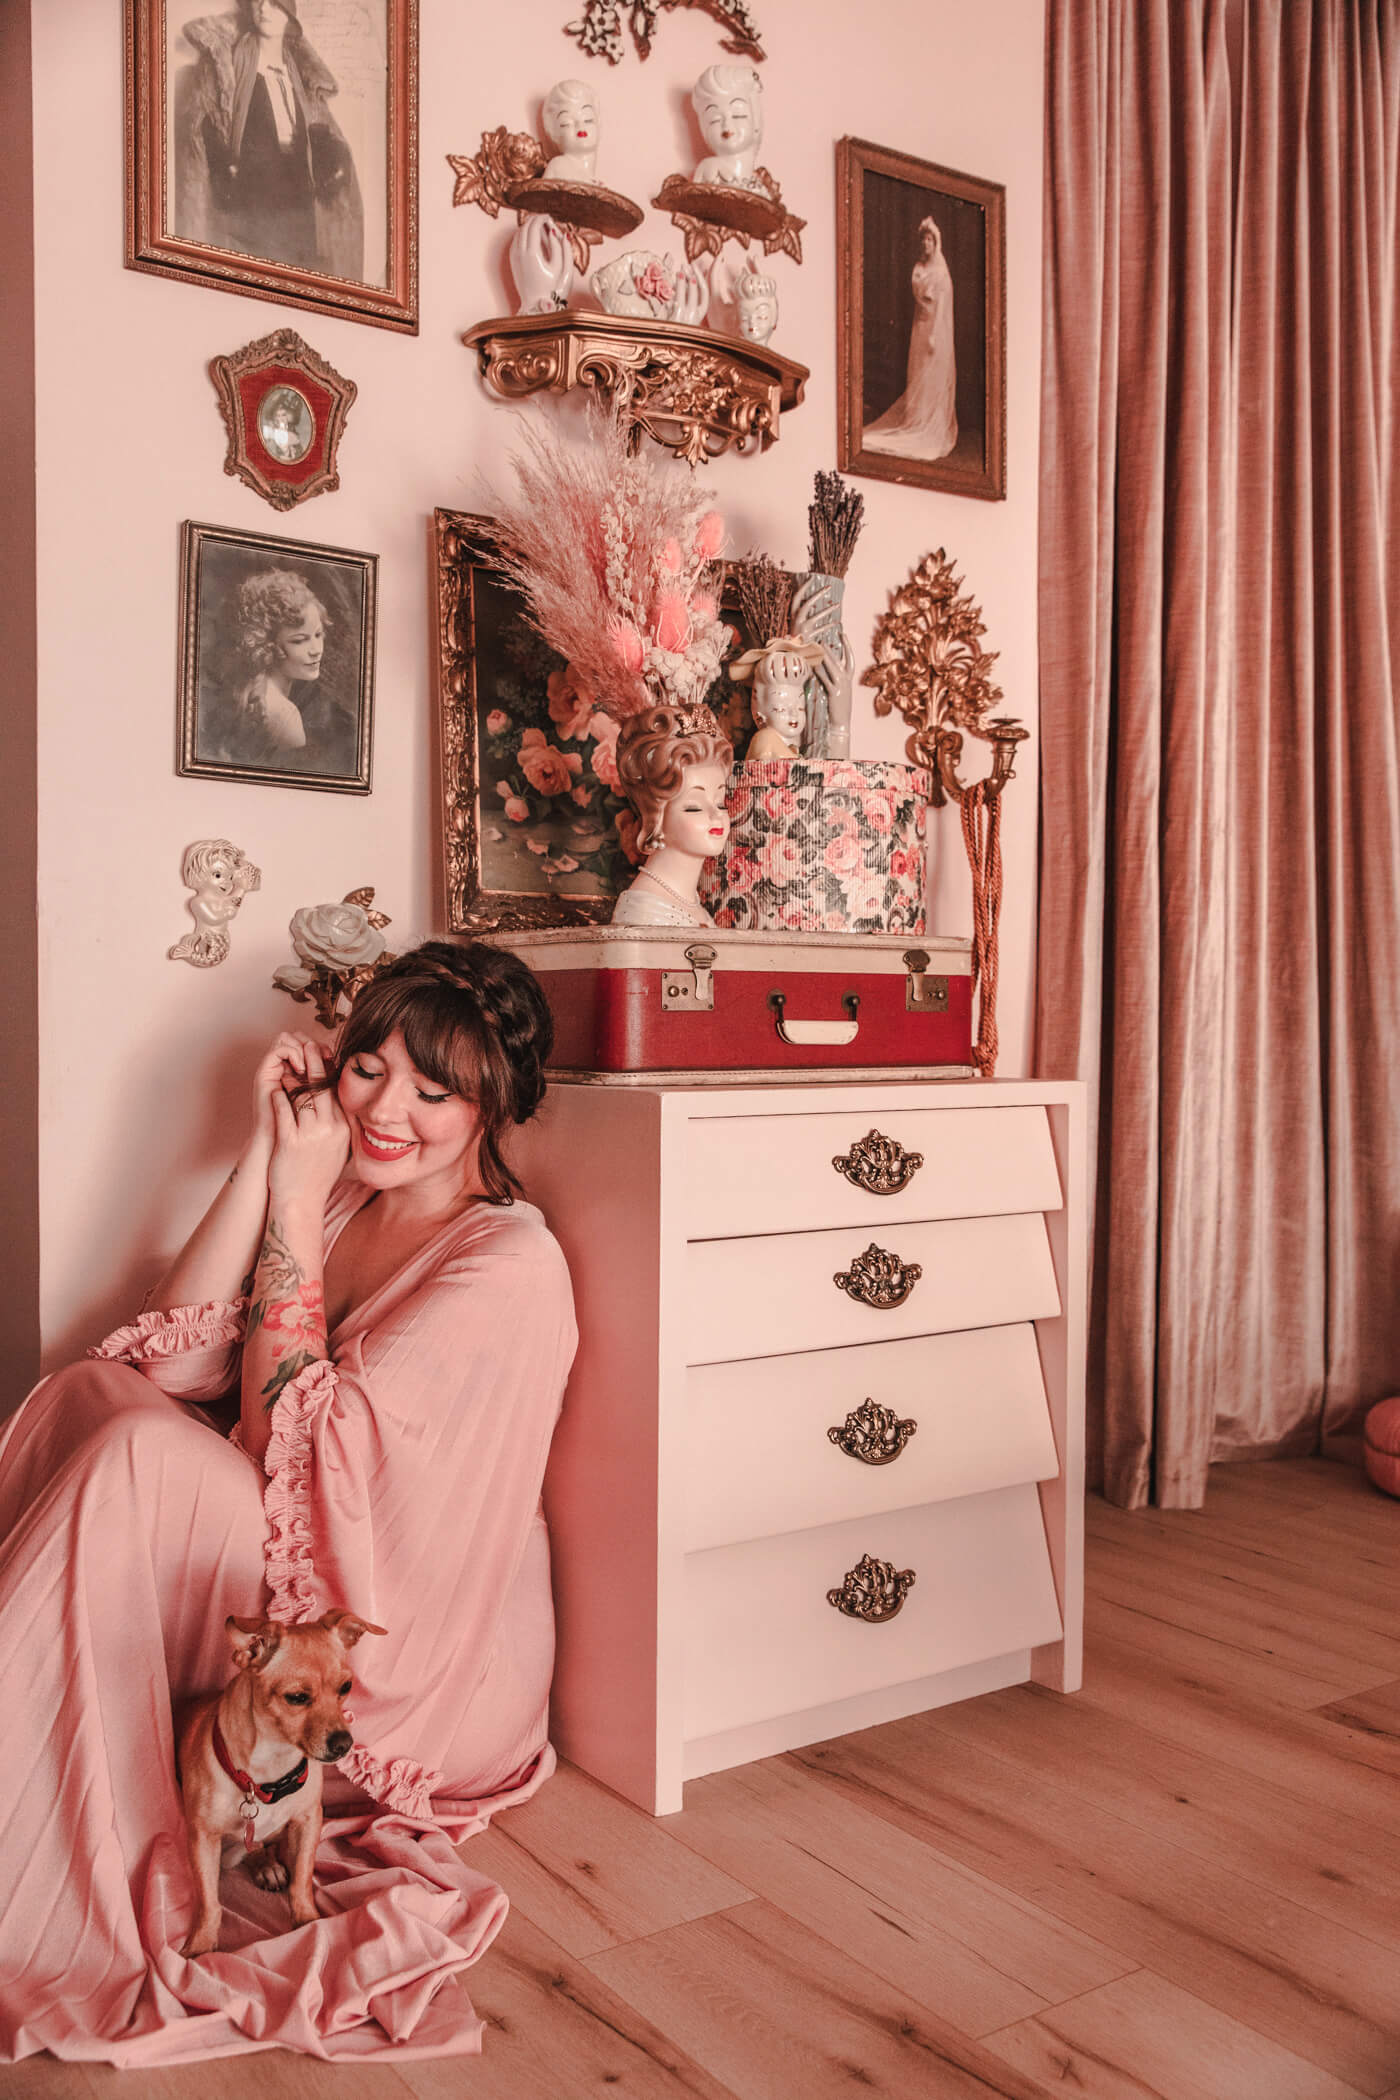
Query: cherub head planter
x: 673, y: 766
x: 570, y: 119
x: 728, y: 101
x: 778, y: 673
x: 220, y: 876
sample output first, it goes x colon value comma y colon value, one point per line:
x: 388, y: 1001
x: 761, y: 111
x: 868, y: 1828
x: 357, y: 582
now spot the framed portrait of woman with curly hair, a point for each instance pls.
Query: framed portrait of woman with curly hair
x: 271, y: 150
x: 277, y: 661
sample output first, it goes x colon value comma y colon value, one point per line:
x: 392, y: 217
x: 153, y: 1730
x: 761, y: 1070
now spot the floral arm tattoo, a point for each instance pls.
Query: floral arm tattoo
x: 288, y: 1310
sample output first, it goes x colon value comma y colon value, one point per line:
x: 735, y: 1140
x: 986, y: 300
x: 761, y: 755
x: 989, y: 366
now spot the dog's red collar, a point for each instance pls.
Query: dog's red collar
x: 252, y: 1789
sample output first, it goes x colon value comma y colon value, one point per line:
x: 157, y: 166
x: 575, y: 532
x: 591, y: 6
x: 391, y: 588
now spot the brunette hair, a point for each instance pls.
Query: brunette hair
x: 653, y: 751
x: 474, y: 1021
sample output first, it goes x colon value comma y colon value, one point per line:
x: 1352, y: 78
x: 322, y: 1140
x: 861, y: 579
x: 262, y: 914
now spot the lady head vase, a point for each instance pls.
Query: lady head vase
x: 728, y: 101
x: 673, y: 766
x: 570, y: 119
x: 778, y: 673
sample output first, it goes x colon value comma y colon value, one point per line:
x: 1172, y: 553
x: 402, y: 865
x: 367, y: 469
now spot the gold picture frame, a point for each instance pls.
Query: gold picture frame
x: 921, y: 322
x: 276, y: 661
x: 297, y: 183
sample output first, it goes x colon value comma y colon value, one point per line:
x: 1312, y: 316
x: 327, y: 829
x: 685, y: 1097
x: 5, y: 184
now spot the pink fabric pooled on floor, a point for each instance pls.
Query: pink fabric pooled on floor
x: 403, y: 1481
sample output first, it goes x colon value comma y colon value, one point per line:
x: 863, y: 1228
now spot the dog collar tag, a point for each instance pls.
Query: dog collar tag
x: 250, y: 1822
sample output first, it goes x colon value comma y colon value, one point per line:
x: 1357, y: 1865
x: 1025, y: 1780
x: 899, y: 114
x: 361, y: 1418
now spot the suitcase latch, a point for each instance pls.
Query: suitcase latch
x: 923, y: 994
x: 690, y: 991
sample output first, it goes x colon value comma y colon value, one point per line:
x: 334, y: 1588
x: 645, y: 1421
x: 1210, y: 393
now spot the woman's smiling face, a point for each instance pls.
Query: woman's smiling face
x: 405, y: 1130
x: 300, y: 645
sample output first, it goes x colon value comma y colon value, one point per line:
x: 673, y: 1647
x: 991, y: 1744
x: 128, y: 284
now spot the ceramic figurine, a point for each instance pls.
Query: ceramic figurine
x: 728, y: 100
x: 778, y: 672
x: 757, y: 306
x: 542, y: 264
x: 816, y: 617
x: 673, y: 765
x: 654, y: 287
x: 220, y: 876
x: 570, y: 118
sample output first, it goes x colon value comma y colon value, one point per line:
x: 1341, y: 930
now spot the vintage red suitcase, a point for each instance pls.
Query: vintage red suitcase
x: 633, y: 1000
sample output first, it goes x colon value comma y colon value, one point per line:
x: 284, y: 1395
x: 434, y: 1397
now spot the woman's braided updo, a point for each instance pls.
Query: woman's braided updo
x: 473, y: 1020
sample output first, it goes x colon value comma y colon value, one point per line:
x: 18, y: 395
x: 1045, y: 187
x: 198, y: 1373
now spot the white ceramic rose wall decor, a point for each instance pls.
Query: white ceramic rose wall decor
x: 339, y: 948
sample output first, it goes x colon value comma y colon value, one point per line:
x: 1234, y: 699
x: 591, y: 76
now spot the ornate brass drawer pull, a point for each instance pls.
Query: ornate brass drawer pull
x: 879, y: 1278
x: 874, y: 1435
x: 879, y: 1164
x: 873, y: 1591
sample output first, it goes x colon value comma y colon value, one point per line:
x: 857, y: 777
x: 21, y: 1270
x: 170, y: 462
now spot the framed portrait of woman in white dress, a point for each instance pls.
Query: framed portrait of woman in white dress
x: 272, y: 150
x: 921, y: 322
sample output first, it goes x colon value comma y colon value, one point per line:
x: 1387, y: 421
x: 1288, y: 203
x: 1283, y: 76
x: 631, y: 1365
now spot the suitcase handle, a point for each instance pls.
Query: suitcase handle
x: 799, y: 1032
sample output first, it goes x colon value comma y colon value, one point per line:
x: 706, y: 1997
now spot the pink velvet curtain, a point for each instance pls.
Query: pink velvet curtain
x: 1219, y: 950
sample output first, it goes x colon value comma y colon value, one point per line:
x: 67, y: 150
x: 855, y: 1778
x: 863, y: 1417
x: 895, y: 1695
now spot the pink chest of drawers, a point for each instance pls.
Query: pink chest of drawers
x: 759, y: 1327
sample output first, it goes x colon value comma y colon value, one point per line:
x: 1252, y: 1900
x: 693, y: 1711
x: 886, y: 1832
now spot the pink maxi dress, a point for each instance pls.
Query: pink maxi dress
x: 403, y: 1481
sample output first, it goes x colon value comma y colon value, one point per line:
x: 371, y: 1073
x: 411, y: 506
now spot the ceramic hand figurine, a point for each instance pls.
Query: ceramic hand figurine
x: 728, y: 100
x: 220, y: 876
x: 816, y: 616
x: 542, y: 264
x: 779, y: 673
x: 570, y: 118
x: 673, y: 765
x: 758, y: 306
x: 652, y: 287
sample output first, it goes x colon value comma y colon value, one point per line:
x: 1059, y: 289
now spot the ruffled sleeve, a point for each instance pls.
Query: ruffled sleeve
x: 403, y: 1479
x: 191, y: 1352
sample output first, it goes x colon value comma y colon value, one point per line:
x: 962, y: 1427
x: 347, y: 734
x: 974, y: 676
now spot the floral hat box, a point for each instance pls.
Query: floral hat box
x: 630, y: 1002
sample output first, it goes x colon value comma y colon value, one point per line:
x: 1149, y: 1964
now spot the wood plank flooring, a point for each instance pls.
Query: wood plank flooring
x: 1181, y: 1884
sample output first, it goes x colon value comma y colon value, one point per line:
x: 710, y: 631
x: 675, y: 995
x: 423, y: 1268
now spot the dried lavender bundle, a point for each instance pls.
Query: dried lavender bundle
x: 765, y: 597
x: 834, y: 516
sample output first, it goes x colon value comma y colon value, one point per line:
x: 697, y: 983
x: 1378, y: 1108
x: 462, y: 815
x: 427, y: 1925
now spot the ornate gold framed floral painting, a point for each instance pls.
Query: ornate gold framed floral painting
x: 272, y: 149
x: 921, y: 322
x: 534, y: 832
x: 277, y: 661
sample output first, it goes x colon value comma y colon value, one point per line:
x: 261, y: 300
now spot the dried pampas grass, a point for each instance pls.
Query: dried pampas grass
x: 616, y: 556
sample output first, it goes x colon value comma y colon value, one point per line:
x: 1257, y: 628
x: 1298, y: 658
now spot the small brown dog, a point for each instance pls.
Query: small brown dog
x: 250, y: 1760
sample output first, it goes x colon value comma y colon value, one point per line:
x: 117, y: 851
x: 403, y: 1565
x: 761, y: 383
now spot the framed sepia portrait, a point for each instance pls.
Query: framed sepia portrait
x: 284, y: 409
x: 277, y: 661
x: 272, y: 148
x: 921, y: 322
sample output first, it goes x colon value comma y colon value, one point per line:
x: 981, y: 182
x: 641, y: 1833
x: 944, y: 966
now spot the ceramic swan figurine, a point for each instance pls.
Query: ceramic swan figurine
x: 650, y: 286
x: 728, y: 101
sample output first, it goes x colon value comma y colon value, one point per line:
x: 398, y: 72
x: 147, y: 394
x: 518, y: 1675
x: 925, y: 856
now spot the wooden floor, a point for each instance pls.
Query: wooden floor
x: 1183, y: 1882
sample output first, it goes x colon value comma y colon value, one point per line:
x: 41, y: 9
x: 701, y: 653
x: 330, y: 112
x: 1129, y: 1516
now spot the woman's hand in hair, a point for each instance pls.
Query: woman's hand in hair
x: 312, y: 1139
x: 279, y: 1070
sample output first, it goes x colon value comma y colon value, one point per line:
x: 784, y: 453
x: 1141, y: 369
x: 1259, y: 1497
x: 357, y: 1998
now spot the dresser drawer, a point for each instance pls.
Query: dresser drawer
x: 758, y: 1458
x: 762, y: 1639
x: 777, y: 1173
x: 775, y: 1295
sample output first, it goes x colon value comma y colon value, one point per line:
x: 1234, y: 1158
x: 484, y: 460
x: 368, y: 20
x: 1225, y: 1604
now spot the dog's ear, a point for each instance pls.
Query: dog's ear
x: 348, y: 1626
x: 254, y: 1641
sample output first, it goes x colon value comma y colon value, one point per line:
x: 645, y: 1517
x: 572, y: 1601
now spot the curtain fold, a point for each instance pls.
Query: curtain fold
x: 1219, y: 945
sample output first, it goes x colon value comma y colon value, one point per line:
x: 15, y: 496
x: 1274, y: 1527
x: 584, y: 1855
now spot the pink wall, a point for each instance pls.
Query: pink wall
x: 144, y: 1062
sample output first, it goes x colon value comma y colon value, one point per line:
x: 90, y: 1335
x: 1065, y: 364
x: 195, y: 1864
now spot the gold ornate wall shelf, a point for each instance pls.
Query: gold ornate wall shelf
x: 696, y: 392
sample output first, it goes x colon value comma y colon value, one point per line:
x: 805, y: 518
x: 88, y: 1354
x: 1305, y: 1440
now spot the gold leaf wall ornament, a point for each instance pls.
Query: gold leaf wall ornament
x: 599, y: 29
x: 503, y: 159
x: 930, y: 665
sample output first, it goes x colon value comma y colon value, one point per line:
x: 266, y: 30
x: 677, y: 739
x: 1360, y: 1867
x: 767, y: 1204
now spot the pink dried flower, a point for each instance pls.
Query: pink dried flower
x: 672, y: 622
x: 627, y: 645
x: 671, y: 557
x: 703, y: 608
x: 709, y: 535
